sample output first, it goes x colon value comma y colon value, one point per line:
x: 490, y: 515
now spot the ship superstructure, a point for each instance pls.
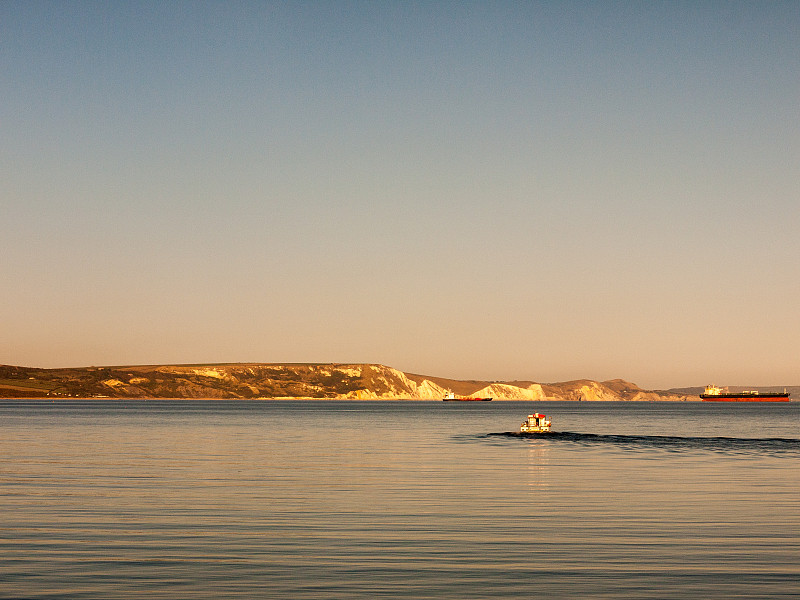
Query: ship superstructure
x: 451, y: 397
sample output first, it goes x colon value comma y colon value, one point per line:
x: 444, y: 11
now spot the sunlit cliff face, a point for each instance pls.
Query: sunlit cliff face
x: 346, y: 381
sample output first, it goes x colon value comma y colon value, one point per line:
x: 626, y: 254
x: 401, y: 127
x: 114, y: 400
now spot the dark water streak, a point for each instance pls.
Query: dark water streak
x: 769, y: 446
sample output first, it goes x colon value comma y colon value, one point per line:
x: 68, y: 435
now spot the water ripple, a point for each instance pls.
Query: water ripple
x: 772, y: 446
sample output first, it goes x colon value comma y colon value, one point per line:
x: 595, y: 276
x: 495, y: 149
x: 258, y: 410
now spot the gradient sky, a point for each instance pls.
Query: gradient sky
x: 544, y: 191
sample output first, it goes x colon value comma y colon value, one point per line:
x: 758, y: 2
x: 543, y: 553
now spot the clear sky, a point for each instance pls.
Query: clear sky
x: 488, y: 190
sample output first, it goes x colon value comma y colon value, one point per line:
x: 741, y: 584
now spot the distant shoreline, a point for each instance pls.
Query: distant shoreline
x: 304, y: 381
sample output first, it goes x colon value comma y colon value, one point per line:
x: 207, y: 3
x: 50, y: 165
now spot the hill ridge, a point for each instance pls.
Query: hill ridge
x: 365, y: 381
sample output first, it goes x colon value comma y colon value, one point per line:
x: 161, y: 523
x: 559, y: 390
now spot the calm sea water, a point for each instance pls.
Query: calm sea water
x: 279, y: 499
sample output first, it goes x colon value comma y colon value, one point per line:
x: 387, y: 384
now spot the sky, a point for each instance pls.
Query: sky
x: 490, y: 190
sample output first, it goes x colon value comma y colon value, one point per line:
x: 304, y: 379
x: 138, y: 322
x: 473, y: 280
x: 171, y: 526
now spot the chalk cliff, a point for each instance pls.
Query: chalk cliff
x: 269, y: 380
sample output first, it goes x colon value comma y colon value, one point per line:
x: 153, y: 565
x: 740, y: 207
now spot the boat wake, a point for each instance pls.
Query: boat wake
x: 782, y: 446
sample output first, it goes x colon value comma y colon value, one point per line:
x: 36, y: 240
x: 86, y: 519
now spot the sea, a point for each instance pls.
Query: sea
x: 168, y: 499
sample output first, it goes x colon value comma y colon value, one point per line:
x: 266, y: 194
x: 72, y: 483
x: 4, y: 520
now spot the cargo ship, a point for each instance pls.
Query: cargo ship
x: 451, y: 397
x: 715, y: 394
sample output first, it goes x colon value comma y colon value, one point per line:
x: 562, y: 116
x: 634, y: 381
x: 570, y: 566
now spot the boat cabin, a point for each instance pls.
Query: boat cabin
x: 536, y: 423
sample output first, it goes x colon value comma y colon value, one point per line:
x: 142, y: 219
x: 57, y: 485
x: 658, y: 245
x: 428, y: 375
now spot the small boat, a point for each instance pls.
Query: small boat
x: 451, y: 397
x: 536, y: 423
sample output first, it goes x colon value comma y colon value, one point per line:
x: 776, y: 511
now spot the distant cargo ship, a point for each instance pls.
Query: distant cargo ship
x: 451, y: 397
x: 715, y: 394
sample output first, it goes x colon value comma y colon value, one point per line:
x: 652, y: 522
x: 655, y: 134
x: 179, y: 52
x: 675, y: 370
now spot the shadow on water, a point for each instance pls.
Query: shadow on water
x: 771, y: 446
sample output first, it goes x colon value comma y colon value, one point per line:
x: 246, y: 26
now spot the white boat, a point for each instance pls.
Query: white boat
x: 451, y: 397
x: 536, y: 423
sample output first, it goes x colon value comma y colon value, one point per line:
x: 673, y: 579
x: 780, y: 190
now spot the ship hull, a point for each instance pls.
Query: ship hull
x: 467, y: 400
x: 745, y: 397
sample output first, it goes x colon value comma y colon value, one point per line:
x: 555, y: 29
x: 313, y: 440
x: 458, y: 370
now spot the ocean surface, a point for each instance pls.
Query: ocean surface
x: 116, y: 499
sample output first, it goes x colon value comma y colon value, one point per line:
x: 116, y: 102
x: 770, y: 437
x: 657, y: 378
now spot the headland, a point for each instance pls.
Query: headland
x: 300, y: 380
